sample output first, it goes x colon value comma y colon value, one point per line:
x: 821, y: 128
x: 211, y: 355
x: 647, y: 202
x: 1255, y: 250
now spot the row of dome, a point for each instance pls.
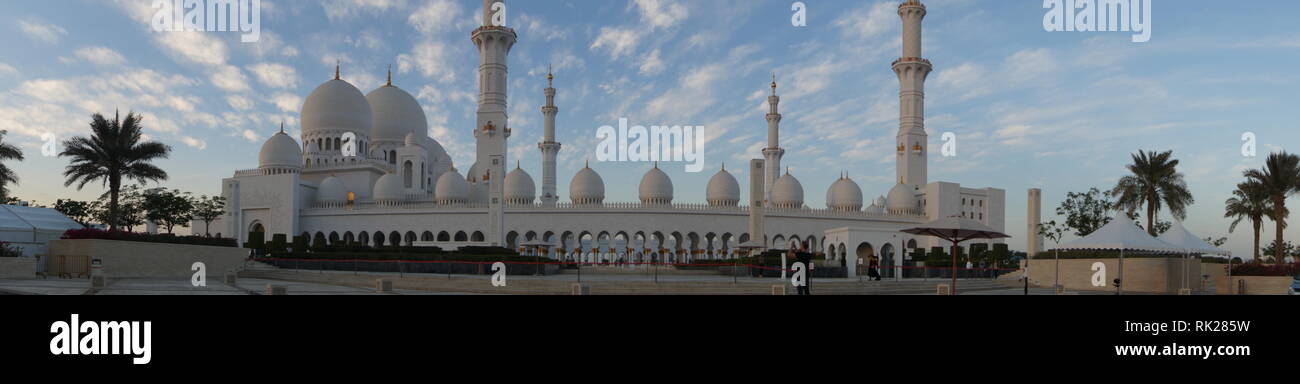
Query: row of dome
x: 656, y: 188
x: 383, y: 120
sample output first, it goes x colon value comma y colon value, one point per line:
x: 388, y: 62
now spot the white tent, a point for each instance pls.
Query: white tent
x: 32, y: 228
x: 1187, y: 242
x: 1121, y: 234
x: 1180, y: 237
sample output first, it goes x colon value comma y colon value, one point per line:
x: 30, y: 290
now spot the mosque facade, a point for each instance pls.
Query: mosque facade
x: 364, y: 170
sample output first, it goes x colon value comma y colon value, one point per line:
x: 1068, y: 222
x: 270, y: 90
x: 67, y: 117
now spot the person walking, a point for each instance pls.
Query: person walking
x: 807, y: 260
x: 873, y: 268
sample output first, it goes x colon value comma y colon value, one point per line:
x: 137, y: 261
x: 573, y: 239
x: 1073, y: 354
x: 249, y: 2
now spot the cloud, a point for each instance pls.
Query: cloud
x: 275, y: 75
x: 661, y: 13
x: 653, y: 65
x: 7, y: 70
x: 101, y: 56
x: 41, y: 31
x: 617, y: 41
x: 194, y: 143
x: 434, y: 16
x: 287, y: 102
x: 430, y: 58
x: 239, y: 103
x: 229, y: 78
x: 337, y: 10
x: 867, y: 22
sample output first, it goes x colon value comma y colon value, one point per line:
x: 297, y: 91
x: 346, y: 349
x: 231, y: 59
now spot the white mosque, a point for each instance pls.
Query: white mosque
x: 401, y: 186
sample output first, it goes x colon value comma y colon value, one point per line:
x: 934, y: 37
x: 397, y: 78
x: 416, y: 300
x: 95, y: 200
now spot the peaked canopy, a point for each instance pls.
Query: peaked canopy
x: 1122, y: 234
x: 957, y: 229
x: 1179, y: 236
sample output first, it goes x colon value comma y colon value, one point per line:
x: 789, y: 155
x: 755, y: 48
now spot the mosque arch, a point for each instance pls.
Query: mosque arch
x: 461, y: 237
x: 444, y: 237
x: 477, y: 237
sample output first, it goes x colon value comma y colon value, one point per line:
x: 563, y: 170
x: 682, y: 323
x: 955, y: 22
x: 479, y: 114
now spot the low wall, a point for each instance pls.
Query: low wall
x: 1263, y: 285
x: 125, y: 259
x: 1140, y: 275
x: 18, y: 267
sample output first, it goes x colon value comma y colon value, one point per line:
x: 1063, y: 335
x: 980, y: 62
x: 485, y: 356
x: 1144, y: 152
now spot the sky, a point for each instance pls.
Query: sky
x: 1029, y: 108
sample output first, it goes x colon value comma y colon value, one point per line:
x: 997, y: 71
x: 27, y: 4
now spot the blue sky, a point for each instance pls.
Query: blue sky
x: 1059, y: 111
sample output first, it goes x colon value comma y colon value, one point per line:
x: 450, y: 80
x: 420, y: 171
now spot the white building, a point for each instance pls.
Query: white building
x: 404, y: 188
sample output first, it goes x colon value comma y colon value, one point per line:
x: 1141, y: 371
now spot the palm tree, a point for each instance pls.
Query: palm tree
x: 114, y: 151
x: 1250, y: 202
x: 7, y: 176
x: 1281, y: 179
x: 1154, y: 182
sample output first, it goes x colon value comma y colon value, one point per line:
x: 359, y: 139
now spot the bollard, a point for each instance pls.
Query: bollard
x: 578, y: 289
x: 943, y: 290
x: 1060, y: 289
x: 778, y: 290
x: 276, y: 290
x: 384, y: 286
x: 98, y: 280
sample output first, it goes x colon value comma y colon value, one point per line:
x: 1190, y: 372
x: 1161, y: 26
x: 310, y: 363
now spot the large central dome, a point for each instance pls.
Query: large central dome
x: 396, y: 115
x: 336, y: 105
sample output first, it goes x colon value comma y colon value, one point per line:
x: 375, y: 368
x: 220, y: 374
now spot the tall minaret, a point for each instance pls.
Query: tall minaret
x: 773, y: 153
x: 493, y: 128
x: 912, y: 69
x: 550, y: 148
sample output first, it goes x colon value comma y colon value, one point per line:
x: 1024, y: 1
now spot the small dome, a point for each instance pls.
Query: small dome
x: 844, y: 195
x: 656, y: 187
x: 412, y: 140
x: 520, y: 189
x: 902, y: 198
x: 877, y: 206
x: 723, y: 190
x: 336, y: 105
x: 587, y: 187
x: 280, y: 151
x: 452, y: 188
x: 787, y: 192
x: 396, y: 114
x: 389, y: 190
x: 331, y: 191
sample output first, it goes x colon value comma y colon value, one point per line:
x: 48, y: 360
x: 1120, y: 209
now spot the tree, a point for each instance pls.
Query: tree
x: 1288, y: 249
x: 1053, y: 231
x: 1216, y: 242
x: 207, y: 209
x: 169, y: 208
x: 113, y: 152
x: 78, y: 211
x: 130, y: 211
x: 1250, y: 201
x: 1280, y: 177
x: 1154, y: 183
x: 1086, y: 212
x: 7, y: 176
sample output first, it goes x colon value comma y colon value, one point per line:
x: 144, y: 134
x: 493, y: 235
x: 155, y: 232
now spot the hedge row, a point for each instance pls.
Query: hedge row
x: 96, y: 234
x: 1261, y: 269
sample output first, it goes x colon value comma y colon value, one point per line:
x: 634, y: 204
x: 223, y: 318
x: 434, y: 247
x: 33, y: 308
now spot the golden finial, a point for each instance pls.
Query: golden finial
x: 724, y: 167
x: 550, y: 74
x: 773, y: 83
x: 518, y: 164
x: 587, y: 164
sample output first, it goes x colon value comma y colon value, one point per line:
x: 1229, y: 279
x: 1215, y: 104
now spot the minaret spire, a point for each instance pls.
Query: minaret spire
x: 390, y: 75
x: 549, y: 146
x: 912, y: 70
x: 337, y: 65
x: 773, y: 153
